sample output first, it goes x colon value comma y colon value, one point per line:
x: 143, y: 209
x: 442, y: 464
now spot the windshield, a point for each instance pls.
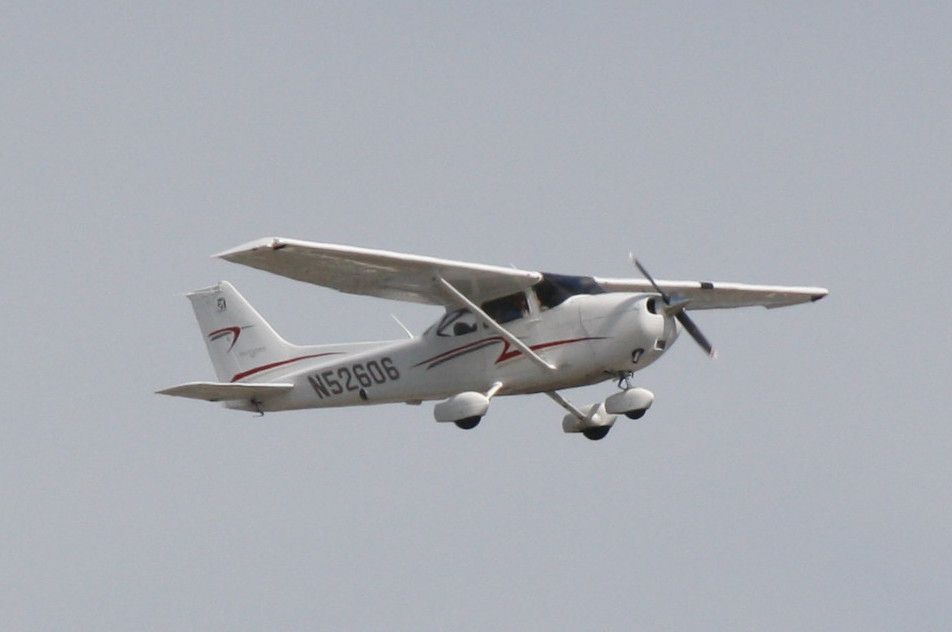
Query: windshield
x: 554, y: 289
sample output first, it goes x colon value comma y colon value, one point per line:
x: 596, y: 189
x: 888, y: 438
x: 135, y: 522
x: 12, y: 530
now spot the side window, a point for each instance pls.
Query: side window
x: 507, y: 308
x: 456, y: 323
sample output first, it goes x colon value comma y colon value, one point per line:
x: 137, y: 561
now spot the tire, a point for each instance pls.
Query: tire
x: 468, y: 424
x: 597, y: 433
x: 636, y: 414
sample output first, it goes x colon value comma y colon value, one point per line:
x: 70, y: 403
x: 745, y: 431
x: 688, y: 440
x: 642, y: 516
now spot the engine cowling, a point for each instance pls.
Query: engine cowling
x: 463, y: 406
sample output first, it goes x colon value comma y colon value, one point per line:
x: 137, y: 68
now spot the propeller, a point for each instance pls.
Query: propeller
x: 678, y: 309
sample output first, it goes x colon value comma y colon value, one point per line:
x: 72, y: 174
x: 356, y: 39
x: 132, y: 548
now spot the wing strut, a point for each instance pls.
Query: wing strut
x: 488, y: 320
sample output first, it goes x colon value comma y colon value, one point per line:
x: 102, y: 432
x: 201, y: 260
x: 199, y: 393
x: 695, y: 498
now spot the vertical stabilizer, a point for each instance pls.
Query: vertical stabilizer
x: 240, y: 342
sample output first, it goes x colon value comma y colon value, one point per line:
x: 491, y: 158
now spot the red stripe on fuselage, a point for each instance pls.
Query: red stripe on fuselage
x: 265, y: 367
x: 464, y: 348
x: 507, y: 353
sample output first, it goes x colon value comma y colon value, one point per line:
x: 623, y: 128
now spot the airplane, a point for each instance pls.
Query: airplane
x: 504, y: 332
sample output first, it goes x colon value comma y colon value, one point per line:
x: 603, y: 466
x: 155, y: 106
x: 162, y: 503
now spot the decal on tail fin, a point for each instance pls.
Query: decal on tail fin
x: 238, y: 339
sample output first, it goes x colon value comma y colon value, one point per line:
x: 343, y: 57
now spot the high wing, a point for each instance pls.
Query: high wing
x: 379, y: 273
x: 707, y: 295
x: 416, y: 278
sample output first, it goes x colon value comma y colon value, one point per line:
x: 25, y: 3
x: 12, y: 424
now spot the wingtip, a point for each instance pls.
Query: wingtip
x: 274, y: 243
x: 821, y: 293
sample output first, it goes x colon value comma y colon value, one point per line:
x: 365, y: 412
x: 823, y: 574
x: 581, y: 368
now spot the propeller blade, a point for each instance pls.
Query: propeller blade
x: 641, y: 268
x: 676, y: 307
x: 678, y: 310
x: 692, y: 329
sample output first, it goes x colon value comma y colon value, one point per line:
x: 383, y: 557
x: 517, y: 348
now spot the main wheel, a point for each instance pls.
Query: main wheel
x: 636, y: 414
x: 469, y: 423
x: 596, y: 433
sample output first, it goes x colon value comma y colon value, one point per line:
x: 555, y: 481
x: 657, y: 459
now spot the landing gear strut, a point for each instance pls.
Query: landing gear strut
x: 624, y: 380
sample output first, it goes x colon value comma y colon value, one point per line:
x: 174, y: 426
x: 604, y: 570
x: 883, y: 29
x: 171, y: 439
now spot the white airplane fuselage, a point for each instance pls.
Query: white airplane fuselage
x: 589, y: 338
x: 505, y: 331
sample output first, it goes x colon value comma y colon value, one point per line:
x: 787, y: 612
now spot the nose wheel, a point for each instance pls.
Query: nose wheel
x: 632, y: 402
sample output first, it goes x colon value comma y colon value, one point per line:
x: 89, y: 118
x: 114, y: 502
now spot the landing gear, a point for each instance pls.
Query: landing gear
x: 594, y: 421
x: 599, y: 432
x: 624, y: 377
x: 468, y: 424
x: 630, y: 402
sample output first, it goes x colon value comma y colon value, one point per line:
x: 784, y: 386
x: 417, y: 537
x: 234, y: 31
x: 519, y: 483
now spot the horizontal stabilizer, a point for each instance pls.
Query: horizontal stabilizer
x: 218, y: 391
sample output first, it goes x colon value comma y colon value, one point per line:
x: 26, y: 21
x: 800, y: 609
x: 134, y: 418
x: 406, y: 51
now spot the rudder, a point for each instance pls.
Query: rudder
x: 239, y: 340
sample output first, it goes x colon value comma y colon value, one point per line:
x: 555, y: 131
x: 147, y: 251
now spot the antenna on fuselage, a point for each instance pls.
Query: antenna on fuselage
x: 402, y: 326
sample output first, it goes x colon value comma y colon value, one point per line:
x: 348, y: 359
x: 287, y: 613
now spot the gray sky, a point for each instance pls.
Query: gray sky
x: 802, y: 481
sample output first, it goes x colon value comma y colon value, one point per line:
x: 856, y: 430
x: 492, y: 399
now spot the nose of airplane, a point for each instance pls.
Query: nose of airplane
x: 660, y: 329
x: 676, y: 308
x: 652, y: 322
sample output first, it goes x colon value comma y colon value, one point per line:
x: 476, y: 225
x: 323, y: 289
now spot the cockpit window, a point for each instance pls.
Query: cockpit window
x: 554, y: 289
x: 507, y: 308
x: 456, y: 323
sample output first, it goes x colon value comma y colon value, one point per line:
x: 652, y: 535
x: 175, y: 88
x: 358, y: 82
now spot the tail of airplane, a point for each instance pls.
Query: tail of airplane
x: 246, y: 352
x: 240, y: 342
